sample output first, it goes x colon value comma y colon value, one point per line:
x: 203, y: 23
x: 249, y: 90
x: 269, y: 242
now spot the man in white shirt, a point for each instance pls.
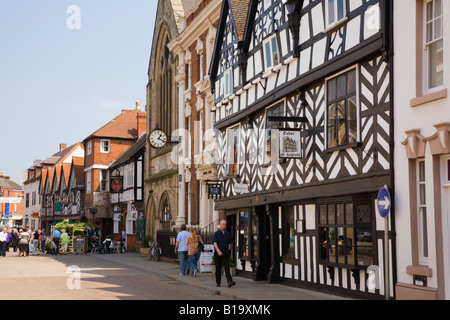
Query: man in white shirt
x: 3, y: 239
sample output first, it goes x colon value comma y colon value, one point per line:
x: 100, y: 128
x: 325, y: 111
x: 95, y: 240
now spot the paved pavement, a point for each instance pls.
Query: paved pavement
x: 245, y: 289
x: 121, y: 271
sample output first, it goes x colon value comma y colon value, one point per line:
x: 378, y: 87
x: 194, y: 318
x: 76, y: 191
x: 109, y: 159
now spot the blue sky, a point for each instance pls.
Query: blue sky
x: 58, y: 85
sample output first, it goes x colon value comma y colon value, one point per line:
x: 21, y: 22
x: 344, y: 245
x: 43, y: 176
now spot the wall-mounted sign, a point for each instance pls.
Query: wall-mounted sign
x: 290, y: 143
x: 57, y: 207
x: 11, y: 200
x: 241, y: 188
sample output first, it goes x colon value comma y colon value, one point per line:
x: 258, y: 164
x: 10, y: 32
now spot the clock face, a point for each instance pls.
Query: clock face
x: 116, y: 184
x: 158, y: 138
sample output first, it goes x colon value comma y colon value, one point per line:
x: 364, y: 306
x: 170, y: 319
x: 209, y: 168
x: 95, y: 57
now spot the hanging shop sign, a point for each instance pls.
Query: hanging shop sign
x: 290, y: 143
x: 116, y: 184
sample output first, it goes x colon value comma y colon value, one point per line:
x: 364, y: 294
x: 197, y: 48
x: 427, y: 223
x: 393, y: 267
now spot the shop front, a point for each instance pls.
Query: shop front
x: 333, y: 244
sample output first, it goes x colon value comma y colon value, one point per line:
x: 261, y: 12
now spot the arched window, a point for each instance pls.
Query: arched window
x: 165, y: 214
x: 165, y: 78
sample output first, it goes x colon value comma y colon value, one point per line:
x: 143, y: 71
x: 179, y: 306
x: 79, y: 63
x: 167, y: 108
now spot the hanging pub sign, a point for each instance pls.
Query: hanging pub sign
x: 214, y: 189
x: 116, y: 184
x: 290, y: 143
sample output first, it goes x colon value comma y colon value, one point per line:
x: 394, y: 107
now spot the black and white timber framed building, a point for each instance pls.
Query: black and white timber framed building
x: 309, y: 221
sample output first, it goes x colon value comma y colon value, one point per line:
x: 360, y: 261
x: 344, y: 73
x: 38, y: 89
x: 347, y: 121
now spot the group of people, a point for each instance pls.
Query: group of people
x: 24, y: 239
x: 188, y: 250
x: 27, y: 241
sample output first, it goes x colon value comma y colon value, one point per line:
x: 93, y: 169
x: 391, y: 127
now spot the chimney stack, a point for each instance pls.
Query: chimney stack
x: 141, y: 120
x: 62, y: 146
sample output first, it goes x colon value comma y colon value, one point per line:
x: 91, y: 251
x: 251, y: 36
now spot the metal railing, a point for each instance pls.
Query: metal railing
x: 208, y: 232
x: 167, y: 240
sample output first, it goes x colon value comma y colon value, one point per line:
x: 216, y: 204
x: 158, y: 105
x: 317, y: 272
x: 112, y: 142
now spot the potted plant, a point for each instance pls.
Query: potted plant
x: 48, y: 247
x: 232, y: 267
x: 145, y: 248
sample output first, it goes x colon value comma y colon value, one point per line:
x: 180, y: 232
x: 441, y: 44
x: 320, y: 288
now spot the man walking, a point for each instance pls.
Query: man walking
x: 222, y: 246
x: 3, y: 239
x: 182, y: 249
x: 56, y: 236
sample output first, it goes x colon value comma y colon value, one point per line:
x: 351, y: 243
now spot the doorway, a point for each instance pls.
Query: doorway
x: 261, y: 240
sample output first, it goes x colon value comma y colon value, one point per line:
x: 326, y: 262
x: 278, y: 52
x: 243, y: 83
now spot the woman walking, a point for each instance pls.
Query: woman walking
x: 15, y: 239
x: 194, y: 253
x: 24, y: 238
x: 36, y: 239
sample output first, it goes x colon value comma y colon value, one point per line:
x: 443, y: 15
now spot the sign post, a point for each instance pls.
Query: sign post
x: 384, y: 208
x: 206, y: 258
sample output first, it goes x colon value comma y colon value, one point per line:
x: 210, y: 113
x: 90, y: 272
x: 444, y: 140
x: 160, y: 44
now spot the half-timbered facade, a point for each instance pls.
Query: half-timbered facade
x: 302, y: 101
x: 75, y: 188
x: 53, y: 184
x: 127, y: 198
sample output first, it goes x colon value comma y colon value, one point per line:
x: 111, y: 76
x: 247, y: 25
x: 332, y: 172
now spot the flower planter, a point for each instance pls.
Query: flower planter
x: 144, y: 252
x: 232, y: 270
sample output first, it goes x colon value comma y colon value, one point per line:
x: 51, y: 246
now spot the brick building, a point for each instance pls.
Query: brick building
x: 103, y: 147
x: 193, y: 47
x: 11, y: 213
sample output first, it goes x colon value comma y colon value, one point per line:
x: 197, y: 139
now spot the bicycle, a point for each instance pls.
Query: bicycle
x: 155, y: 250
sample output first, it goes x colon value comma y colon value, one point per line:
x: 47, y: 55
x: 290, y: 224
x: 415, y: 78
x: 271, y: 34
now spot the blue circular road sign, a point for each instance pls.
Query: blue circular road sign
x: 384, y: 202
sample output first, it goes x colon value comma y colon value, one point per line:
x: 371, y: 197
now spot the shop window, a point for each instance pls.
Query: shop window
x: 255, y: 247
x: 288, y: 231
x: 244, y: 240
x: 345, y: 234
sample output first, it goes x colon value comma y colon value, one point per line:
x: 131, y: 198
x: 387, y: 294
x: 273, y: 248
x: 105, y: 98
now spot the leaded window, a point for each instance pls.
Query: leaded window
x: 345, y: 233
x: 342, y: 111
x: 335, y: 11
